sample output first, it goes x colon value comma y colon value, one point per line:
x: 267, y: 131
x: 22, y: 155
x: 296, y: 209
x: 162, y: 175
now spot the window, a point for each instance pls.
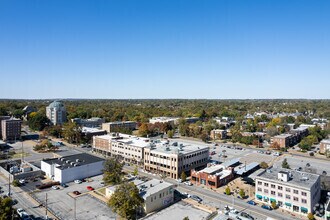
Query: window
x: 259, y: 183
x: 160, y: 195
x: 295, y: 191
x: 287, y: 189
x: 288, y: 196
x: 304, y: 193
x: 295, y: 198
x: 303, y: 201
x: 280, y: 187
x: 279, y: 194
x: 259, y: 189
x: 272, y: 186
x: 151, y: 199
x: 272, y: 192
x: 266, y: 184
x: 265, y: 190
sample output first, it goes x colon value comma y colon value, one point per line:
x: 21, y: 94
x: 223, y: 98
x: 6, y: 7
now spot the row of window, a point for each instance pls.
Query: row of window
x: 273, y: 186
x: 279, y: 194
x: 160, y: 196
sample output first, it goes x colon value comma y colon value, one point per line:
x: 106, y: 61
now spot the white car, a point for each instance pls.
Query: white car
x: 188, y: 183
x: 55, y: 187
x: 179, y: 180
x: 78, y: 181
x: 22, y: 213
x: 21, y: 181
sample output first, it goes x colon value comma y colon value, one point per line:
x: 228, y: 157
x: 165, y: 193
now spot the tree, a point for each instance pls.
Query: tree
x: 6, y: 208
x: 144, y: 130
x: 112, y: 171
x: 227, y: 191
x: 135, y: 171
x: 242, y: 193
x: 263, y: 165
x: 285, y: 164
x: 72, y: 132
x: 310, y: 216
x: 38, y: 121
x: 273, y: 204
x: 186, y: 218
x: 16, y: 183
x: 126, y: 200
x: 170, y: 134
x: 183, y: 176
x: 275, y: 146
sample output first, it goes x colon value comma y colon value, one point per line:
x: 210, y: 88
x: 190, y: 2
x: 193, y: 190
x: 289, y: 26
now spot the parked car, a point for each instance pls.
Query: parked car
x: 188, y: 183
x: 251, y: 202
x: 22, y: 213
x: 179, y: 180
x: 308, y: 165
x: 76, y: 193
x: 21, y: 181
x: 246, y: 215
x: 78, y: 181
x: 90, y: 188
x: 55, y: 187
x: 267, y: 207
x: 64, y: 185
x: 196, y: 198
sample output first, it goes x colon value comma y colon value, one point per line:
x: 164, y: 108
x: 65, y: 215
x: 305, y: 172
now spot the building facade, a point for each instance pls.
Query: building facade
x: 11, y: 129
x: 2, y: 118
x: 56, y: 113
x: 73, y: 167
x: 324, y: 146
x: 213, y: 176
x: 291, y: 190
x: 171, y: 159
x: 218, y: 134
x: 89, y: 123
x: 114, y: 126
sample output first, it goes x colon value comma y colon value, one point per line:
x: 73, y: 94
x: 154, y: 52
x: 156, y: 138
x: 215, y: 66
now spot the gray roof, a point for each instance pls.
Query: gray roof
x: 67, y: 162
x: 298, y: 178
x: 152, y: 186
x: 245, y: 168
x: 231, y: 162
x: 56, y: 104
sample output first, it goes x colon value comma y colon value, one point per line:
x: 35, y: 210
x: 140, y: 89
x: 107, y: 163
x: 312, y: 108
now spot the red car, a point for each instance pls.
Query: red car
x: 90, y: 188
x: 76, y: 193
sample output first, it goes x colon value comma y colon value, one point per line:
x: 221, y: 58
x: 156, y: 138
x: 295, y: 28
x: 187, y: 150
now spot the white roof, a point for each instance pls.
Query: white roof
x: 152, y: 186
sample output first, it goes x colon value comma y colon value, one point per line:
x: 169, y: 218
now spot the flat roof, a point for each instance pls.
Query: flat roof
x: 298, y: 178
x: 126, y: 139
x: 231, y: 162
x: 212, y: 169
x: 326, y: 141
x: 91, y: 130
x: 70, y: 161
x: 283, y: 136
x: 244, y: 169
x: 119, y: 122
x: 180, y: 148
x: 152, y: 186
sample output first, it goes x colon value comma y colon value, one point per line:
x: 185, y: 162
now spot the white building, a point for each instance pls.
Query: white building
x: 69, y: 168
x: 170, y: 120
x: 156, y: 194
x: 56, y: 113
x: 294, y: 191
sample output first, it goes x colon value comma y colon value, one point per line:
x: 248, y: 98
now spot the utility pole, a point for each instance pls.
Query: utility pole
x: 9, y: 185
x: 46, y: 207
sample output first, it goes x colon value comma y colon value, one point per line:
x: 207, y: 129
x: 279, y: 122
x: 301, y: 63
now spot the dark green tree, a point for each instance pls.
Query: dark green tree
x: 112, y: 171
x: 285, y: 164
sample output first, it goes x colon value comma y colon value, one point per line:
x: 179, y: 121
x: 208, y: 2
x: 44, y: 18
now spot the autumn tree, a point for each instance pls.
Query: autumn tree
x: 72, y: 132
x: 227, y: 190
x: 263, y: 165
x: 112, y: 171
x: 242, y: 193
x: 126, y: 200
x: 285, y: 164
x: 6, y: 208
x: 183, y: 176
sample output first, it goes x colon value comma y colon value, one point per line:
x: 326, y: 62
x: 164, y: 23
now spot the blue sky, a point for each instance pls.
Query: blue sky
x: 165, y: 49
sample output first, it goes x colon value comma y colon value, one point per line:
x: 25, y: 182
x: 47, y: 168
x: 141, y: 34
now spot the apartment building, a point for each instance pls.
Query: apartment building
x: 128, y: 147
x: 218, y: 134
x: 171, y: 120
x: 89, y: 123
x: 56, y: 113
x: 294, y: 191
x: 292, y: 138
x: 173, y: 158
x: 324, y: 146
x: 114, y: 126
x: 11, y: 129
x: 212, y: 176
x: 2, y: 118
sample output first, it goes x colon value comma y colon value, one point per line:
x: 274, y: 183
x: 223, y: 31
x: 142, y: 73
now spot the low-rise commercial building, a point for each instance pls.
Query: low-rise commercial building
x: 212, y: 176
x: 11, y: 129
x: 115, y: 126
x: 90, y: 132
x: 218, y: 134
x: 156, y: 194
x: 172, y: 158
x: 324, y: 146
x: 69, y: 168
x: 90, y: 123
x: 291, y: 190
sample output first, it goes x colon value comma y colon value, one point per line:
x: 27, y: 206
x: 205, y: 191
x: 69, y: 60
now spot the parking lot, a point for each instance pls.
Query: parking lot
x: 62, y: 201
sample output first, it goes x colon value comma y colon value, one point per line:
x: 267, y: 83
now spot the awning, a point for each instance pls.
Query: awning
x: 288, y: 204
x: 259, y: 196
x: 303, y: 209
x: 265, y: 197
x: 272, y: 200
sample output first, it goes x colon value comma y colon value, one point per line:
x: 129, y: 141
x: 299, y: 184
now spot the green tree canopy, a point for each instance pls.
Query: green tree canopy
x: 6, y: 208
x: 126, y: 200
x: 112, y: 171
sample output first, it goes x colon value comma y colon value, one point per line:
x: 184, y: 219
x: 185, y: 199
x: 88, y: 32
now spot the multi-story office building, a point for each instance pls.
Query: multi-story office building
x: 129, y: 148
x: 2, y: 118
x: 218, y: 134
x: 117, y: 125
x: 11, y: 129
x: 90, y: 123
x: 294, y: 191
x: 56, y: 113
x: 171, y: 159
